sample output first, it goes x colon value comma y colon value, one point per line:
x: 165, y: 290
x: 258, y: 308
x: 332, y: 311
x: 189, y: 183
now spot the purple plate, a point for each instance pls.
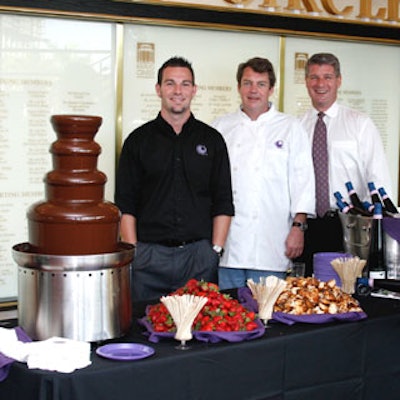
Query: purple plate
x: 125, y: 351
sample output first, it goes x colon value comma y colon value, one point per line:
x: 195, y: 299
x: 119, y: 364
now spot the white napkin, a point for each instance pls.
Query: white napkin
x: 54, y: 354
x: 58, y: 354
x: 10, y: 346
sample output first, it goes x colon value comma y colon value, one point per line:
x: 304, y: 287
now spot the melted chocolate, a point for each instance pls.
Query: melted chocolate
x: 74, y: 218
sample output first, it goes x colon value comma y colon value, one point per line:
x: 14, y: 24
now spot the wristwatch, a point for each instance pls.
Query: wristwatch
x: 301, y: 225
x: 218, y: 249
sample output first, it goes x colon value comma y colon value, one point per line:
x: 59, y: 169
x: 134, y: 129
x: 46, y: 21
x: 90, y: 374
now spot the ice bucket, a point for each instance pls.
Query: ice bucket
x: 356, y: 235
x: 81, y: 297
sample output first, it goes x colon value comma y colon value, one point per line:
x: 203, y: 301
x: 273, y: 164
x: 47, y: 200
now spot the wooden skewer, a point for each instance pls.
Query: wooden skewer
x: 348, y: 269
x: 266, y: 292
x: 184, y: 310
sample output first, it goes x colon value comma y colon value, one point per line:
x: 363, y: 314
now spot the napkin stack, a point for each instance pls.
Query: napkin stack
x: 266, y: 292
x: 184, y: 310
x: 54, y: 354
x: 348, y: 269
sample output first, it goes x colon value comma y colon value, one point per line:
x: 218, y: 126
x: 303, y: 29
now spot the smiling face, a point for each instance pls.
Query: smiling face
x: 176, y: 91
x: 322, y: 85
x: 254, y: 89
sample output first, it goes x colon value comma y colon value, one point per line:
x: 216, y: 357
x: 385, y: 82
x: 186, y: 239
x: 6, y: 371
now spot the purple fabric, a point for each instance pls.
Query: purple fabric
x: 290, y: 319
x: 323, y: 269
x: 205, y: 336
x: 392, y: 227
x: 246, y: 298
x: 5, y: 362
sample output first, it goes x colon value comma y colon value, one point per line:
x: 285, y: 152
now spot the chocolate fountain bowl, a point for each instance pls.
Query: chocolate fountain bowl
x: 81, y: 297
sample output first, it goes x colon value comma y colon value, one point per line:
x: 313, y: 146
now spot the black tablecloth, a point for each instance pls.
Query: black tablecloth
x: 346, y: 361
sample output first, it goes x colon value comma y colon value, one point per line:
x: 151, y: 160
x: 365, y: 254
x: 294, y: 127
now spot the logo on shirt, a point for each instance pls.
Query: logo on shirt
x: 279, y: 144
x: 201, y: 149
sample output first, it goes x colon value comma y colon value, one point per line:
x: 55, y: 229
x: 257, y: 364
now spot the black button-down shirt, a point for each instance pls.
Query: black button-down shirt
x: 174, y: 184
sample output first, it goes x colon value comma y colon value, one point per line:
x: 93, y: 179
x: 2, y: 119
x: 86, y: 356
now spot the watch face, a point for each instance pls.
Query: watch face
x: 300, y: 225
x: 218, y: 249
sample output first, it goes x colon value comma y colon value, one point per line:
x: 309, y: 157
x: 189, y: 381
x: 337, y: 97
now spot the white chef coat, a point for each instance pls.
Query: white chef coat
x: 272, y: 180
x: 355, y: 151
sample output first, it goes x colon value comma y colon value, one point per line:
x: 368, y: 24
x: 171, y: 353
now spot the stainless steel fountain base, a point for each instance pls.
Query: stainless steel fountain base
x: 81, y: 297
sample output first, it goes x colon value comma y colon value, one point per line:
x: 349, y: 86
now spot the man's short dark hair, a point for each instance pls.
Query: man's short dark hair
x: 259, y: 65
x: 175, y: 62
x: 324, y: 59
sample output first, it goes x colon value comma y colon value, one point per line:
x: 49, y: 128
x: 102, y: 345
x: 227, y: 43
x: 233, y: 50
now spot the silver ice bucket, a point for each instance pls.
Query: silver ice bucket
x: 357, y: 235
x: 81, y: 297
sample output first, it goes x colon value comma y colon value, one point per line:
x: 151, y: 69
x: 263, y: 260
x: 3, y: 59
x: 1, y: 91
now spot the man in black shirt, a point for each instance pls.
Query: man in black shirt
x: 174, y: 191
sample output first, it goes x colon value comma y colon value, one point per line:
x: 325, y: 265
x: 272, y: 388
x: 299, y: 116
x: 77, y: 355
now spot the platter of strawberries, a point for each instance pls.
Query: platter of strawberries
x: 221, y: 318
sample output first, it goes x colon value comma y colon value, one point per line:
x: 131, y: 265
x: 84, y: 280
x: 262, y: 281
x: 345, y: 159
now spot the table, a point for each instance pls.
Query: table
x: 346, y: 361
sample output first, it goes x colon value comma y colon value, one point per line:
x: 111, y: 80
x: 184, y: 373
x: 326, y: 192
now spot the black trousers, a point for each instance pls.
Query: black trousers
x: 324, y: 234
x: 158, y: 270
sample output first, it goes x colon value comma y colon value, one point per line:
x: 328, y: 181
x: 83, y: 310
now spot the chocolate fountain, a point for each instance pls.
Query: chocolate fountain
x: 74, y: 274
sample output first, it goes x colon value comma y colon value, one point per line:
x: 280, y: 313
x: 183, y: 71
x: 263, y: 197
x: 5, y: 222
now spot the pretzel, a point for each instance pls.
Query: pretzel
x: 305, y: 296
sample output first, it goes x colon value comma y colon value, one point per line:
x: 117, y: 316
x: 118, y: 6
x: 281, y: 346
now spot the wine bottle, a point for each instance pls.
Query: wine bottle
x: 389, y: 205
x: 368, y: 206
x: 355, y: 200
x: 347, y: 208
x: 376, y: 261
x: 338, y: 196
x: 374, y: 194
x: 342, y: 203
x: 364, y: 286
x: 388, y: 284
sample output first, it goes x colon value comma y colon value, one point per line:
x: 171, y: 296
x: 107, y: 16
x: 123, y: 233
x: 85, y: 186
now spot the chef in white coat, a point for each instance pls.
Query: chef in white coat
x: 272, y: 181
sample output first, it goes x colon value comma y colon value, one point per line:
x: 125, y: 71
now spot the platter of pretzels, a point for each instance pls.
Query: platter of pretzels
x: 305, y: 296
x: 309, y: 300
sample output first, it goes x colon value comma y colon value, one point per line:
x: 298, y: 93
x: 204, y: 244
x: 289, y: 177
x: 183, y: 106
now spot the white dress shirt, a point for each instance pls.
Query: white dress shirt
x: 272, y: 181
x: 355, y: 151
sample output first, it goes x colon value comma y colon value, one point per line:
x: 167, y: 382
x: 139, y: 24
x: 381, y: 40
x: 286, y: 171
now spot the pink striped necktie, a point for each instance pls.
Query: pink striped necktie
x: 320, y: 159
